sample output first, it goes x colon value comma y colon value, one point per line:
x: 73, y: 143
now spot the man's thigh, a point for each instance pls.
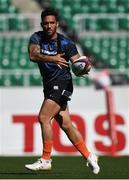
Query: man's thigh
x: 49, y: 108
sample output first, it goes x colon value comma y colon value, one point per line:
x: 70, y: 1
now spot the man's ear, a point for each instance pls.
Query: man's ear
x: 41, y: 24
x: 57, y: 24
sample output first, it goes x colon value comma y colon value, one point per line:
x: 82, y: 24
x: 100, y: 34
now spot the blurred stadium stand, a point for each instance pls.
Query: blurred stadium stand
x: 101, y: 27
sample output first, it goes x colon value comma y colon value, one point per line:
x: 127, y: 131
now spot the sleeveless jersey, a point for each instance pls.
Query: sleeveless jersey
x: 49, y: 70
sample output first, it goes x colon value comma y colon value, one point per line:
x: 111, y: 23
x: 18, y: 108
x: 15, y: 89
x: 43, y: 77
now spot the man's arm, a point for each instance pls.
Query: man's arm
x: 35, y: 55
x: 75, y: 57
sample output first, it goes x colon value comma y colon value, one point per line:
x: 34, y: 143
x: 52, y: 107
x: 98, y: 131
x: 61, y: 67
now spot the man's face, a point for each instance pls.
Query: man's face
x: 49, y: 25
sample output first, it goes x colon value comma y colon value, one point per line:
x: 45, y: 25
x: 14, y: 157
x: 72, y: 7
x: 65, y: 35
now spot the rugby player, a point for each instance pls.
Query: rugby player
x: 52, y: 52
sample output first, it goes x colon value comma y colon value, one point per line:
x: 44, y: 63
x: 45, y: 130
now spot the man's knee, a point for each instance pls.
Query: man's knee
x: 66, y: 126
x: 43, y: 119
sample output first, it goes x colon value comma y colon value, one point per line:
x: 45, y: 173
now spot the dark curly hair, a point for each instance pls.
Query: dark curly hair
x: 49, y: 11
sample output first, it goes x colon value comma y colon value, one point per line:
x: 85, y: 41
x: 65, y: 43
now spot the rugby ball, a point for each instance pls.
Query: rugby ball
x: 81, y: 66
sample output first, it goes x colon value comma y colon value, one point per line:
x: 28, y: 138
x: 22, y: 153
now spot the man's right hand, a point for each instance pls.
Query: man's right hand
x: 59, y: 60
x: 35, y: 55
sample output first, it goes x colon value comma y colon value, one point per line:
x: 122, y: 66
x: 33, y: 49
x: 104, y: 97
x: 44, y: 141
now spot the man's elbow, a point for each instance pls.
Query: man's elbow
x: 32, y: 57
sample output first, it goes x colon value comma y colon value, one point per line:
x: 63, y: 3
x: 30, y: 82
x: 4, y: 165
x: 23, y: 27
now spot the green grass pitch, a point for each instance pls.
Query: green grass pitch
x: 65, y: 167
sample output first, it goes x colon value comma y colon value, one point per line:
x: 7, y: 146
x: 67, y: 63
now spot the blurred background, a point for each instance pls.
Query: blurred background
x: 100, y: 28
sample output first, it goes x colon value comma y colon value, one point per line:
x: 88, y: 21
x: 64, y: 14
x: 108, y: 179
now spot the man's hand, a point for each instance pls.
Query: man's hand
x: 87, y: 69
x: 35, y: 55
x: 59, y: 60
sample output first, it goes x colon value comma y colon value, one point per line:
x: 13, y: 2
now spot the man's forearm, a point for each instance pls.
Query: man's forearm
x: 38, y: 57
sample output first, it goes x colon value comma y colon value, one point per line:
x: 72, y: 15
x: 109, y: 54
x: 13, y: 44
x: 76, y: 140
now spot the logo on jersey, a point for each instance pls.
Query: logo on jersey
x: 48, y: 52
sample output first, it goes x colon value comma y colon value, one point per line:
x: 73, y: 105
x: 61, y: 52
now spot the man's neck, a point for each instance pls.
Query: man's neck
x: 52, y: 37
